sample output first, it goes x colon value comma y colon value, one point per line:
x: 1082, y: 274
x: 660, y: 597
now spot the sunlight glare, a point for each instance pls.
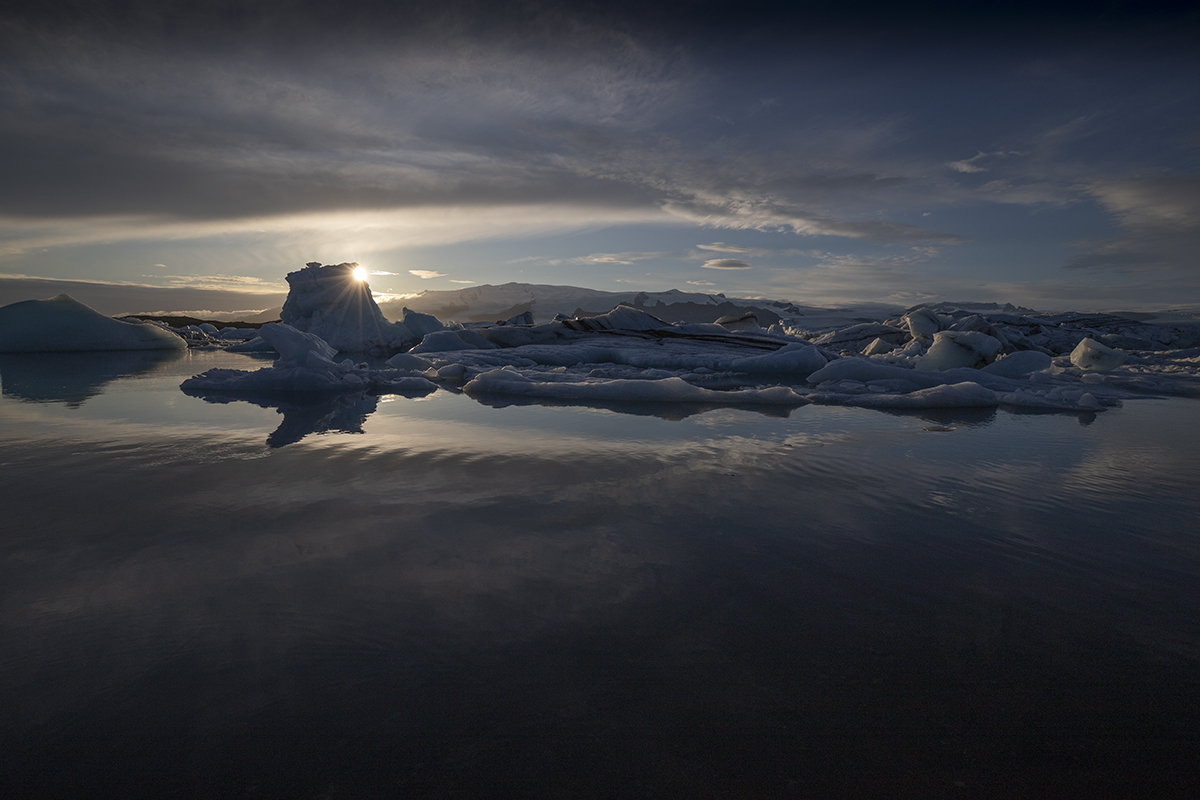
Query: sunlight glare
x: 360, y: 273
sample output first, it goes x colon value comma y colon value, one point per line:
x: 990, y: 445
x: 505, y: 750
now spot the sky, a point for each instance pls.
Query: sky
x: 1044, y: 154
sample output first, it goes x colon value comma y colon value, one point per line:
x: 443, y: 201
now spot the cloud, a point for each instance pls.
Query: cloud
x: 725, y: 263
x: 721, y: 247
x: 426, y: 274
x: 743, y: 212
x: 613, y: 258
x: 1160, y: 220
x: 452, y: 280
x: 701, y: 283
x: 968, y: 165
x: 299, y: 238
x: 240, y: 283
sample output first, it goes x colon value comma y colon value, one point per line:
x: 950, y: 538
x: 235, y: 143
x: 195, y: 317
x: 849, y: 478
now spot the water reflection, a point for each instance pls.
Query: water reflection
x: 672, y: 412
x: 307, y: 413
x: 819, y: 605
x: 72, y: 378
x: 946, y: 417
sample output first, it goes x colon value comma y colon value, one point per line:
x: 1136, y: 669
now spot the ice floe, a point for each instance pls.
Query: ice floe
x: 306, y: 364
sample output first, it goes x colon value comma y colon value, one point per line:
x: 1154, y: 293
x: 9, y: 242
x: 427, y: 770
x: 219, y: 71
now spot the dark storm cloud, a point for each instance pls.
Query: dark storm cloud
x: 702, y: 110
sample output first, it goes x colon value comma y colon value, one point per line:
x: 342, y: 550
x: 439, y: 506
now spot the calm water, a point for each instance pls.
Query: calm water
x: 398, y: 597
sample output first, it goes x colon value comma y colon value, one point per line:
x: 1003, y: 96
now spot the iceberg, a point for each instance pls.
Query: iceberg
x: 62, y: 324
x: 330, y: 302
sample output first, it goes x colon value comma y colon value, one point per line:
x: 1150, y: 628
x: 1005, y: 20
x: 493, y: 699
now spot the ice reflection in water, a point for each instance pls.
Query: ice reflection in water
x: 72, y: 378
x: 565, y: 601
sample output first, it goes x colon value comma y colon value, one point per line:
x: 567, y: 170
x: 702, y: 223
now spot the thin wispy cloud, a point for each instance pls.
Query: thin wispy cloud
x: 240, y: 283
x: 613, y: 258
x: 721, y: 247
x: 426, y: 274
x: 967, y: 165
x: 970, y: 165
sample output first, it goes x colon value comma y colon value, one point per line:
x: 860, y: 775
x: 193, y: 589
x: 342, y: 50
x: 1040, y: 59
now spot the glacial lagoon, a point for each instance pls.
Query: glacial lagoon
x: 433, y: 596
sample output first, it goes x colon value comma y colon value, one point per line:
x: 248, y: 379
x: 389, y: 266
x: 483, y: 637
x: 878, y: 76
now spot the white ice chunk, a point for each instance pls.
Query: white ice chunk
x: 305, y: 364
x: 418, y: 324
x: 409, y: 362
x: 255, y: 345
x: 1091, y: 355
x: 442, y: 342
x: 63, y: 324
x: 878, y: 346
x: 244, y: 334
x: 1019, y: 364
x: 295, y: 347
x: 452, y: 372
x: 922, y: 323
x: 856, y: 337
x: 746, y: 321
x: 953, y: 349
x: 621, y: 318
x: 799, y: 358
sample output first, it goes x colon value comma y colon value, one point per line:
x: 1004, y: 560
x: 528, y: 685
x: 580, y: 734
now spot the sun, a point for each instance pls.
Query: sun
x: 360, y: 273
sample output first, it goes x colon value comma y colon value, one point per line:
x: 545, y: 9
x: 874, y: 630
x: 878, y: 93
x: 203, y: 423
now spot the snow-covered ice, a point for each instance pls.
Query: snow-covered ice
x: 63, y: 324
